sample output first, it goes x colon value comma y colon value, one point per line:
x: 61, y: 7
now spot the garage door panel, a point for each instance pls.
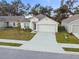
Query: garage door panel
x: 46, y: 28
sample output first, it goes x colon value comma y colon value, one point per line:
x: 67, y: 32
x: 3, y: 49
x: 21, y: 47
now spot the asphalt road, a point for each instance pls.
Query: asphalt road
x: 6, y: 53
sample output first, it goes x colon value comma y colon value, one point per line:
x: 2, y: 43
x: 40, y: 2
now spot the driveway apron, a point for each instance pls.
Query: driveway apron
x: 43, y: 41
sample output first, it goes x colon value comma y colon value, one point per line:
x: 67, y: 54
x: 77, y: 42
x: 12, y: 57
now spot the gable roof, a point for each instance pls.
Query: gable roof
x: 40, y: 16
x: 47, y: 21
x: 13, y: 18
x: 72, y: 18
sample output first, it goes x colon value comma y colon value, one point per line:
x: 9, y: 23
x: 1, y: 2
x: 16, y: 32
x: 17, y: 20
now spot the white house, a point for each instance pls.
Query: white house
x: 71, y: 24
x: 39, y: 23
x: 12, y: 21
x: 42, y: 23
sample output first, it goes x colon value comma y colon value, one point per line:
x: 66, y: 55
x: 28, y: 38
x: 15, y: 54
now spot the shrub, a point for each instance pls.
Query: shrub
x: 28, y: 30
x: 61, y: 29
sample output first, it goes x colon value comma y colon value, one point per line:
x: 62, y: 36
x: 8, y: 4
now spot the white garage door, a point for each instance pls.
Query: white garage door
x: 46, y: 28
x: 75, y: 28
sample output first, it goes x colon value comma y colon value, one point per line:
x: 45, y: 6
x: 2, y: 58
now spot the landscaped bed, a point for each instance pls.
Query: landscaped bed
x: 60, y: 36
x: 14, y: 33
x: 71, y: 49
x: 10, y: 44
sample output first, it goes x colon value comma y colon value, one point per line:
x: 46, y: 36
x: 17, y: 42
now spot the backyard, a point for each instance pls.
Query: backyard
x: 14, y: 33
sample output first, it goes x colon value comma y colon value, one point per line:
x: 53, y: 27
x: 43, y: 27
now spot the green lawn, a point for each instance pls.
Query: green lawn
x: 10, y: 44
x: 71, y: 49
x: 13, y: 33
x: 60, y: 36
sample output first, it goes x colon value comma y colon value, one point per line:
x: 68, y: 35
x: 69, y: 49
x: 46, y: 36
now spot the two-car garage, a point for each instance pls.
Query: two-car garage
x: 47, y: 25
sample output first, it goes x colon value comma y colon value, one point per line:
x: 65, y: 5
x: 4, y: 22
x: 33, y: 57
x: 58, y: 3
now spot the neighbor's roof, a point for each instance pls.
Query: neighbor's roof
x: 72, y: 18
x: 13, y: 18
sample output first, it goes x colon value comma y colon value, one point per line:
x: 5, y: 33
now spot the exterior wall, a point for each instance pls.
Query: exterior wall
x: 69, y: 28
x: 31, y: 22
x: 56, y: 27
x: 13, y: 24
x: 31, y: 26
x: 76, y: 22
x: 22, y: 25
x: 2, y: 24
x: 25, y: 25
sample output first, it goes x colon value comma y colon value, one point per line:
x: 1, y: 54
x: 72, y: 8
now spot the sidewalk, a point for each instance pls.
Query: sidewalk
x: 13, y: 41
x: 68, y: 45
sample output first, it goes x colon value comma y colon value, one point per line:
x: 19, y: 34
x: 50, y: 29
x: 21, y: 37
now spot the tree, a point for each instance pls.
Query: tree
x: 18, y: 8
x: 35, y: 9
x: 70, y: 4
x: 66, y: 8
x: 38, y: 9
x: 76, y: 10
x: 4, y: 8
x: 62, y: 2
x: 16, y: 5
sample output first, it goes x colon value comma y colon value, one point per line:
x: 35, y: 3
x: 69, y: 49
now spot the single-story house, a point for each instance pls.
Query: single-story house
x: 42, y: 23
x: 71, y: 24
x: 12, y: 21
x: 39, y: 23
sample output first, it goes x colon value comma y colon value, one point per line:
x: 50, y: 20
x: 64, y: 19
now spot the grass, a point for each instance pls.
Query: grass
x: 10, y: 44
x: 60, y: 36
x: 71, y: 49
x: 13, y: 33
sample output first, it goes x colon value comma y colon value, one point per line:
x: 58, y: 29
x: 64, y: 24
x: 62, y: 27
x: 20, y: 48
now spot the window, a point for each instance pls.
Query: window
x: 13, y: 24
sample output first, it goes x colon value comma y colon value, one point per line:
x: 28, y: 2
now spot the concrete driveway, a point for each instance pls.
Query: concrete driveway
x: 43, y: 41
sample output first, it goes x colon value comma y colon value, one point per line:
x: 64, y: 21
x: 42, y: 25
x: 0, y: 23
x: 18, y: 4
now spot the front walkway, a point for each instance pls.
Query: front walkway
x: 45, y: 42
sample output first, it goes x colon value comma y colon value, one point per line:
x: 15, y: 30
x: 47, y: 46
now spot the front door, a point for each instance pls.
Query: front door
x: 7, y: 23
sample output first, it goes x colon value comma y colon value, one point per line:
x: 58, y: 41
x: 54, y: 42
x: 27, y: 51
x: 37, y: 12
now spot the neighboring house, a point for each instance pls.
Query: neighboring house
x: 12, y: 21
x: 71, y: 24
x: 42, y: 23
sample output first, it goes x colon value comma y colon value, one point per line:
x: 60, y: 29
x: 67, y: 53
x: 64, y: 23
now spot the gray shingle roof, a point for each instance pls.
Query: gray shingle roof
x: 40, y: 16
x: 13, y: 18
x: 72, y: 18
